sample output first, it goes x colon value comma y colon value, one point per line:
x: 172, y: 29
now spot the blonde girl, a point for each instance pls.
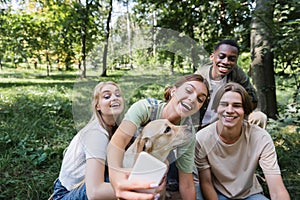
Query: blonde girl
x: 85, y: 159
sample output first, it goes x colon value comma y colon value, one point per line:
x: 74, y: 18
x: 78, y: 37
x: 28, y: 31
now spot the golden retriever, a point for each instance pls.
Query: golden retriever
x: 157, y: 138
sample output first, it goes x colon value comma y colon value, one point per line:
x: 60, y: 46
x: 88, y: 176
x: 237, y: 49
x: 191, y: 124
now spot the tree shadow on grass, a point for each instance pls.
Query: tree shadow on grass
x: 25, y: 84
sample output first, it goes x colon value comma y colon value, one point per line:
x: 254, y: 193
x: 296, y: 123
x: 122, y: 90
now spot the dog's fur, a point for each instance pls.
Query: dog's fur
x: 157, y: 138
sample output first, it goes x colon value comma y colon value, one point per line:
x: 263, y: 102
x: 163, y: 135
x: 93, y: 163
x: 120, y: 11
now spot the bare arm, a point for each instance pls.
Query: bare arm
x: 118, y: 143
x: 186, y: 186
x: 276, y: 187
x: 96, y: 188
x: 118, y: 176
x: 207, y: 188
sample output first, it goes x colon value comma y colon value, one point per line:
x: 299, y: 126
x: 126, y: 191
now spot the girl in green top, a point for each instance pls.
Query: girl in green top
x: 184, y: 99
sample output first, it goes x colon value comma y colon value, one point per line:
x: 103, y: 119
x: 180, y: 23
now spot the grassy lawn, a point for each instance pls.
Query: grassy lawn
x: 40, y: 114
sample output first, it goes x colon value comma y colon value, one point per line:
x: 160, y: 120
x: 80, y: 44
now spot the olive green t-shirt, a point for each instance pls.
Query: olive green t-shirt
x: 139, y: 114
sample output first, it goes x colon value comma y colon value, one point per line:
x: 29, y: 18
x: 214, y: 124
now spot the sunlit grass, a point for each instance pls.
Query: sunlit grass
x: 36, y: 125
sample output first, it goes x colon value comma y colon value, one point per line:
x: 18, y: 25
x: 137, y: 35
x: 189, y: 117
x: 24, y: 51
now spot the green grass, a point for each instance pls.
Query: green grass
x: 37, y: 121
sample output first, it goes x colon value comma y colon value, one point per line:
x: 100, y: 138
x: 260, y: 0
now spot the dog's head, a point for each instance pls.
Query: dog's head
x: 160, y: 136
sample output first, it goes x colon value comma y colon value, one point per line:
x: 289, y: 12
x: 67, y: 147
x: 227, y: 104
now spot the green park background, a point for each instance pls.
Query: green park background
x: 52, y: 54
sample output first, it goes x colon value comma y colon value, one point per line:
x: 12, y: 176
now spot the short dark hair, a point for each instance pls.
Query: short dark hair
x: 228, y: 42
x: 234, y: 87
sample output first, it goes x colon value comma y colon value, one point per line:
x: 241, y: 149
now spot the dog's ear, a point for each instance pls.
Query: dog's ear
x: 140, y: 144
x: 144, y: 144
x: 148, y: 145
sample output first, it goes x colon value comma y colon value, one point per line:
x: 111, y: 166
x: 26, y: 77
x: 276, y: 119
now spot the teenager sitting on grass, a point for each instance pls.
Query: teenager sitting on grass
x: 84, y: 173
x: 184, y: 99
x: 229, y: 150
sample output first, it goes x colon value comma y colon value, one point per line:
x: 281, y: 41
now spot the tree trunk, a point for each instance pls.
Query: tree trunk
x: 104, y: 61
x: 48, y: 63
x: 129, y: 35
x: 262, y: 66
x: 223, y: 20
x: 83, y: 51
x: 84, y: 33
x: 172, y: 62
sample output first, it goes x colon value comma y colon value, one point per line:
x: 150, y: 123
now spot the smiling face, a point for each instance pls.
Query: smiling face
x: 110, y: 100
x: 188, y: 98
x: 230, y: 110
x: 224, y: 60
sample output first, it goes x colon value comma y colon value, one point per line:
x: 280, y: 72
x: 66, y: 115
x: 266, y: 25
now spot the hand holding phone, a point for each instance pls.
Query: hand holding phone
x: 147, y: 168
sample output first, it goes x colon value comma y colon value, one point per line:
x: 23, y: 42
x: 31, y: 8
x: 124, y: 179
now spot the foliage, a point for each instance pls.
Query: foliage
x: 35, y: 110
x: 61, y: 33
x: 48, y: 32
x: 35, y: 128
x: 286, y: 45
x: 206, y: 22
x: 36, y: 124
x: 148, y: 90
x: 285, y: 132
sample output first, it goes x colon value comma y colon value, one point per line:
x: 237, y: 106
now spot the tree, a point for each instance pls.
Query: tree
x: 107, y: 33
x: 206, y: 22
x: 87, y: 14
x: 262, y: 67
x: 286, y: 47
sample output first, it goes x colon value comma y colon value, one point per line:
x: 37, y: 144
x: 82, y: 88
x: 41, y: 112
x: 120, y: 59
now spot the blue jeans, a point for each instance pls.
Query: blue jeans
x: 198, y: 192
x: 172, y: 175
x: 61, y: 193
x: 252, y: 197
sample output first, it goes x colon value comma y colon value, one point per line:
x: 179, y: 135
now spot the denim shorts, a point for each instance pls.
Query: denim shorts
x: 61, y: 193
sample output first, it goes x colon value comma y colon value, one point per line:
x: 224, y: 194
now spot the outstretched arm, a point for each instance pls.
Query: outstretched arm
x: 118, y: 175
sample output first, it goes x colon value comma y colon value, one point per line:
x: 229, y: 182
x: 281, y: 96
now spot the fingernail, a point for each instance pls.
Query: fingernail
x: 156, y: 197
x: 153, y: 185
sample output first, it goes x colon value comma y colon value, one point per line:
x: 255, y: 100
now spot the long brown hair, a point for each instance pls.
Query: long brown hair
x: 184, y: 79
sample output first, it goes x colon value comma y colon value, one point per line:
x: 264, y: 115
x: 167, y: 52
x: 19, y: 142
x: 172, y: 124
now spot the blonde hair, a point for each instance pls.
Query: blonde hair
x: 96, y: 113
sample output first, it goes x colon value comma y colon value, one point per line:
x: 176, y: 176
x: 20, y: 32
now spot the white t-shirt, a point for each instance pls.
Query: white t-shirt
x: 210, y: 115
x: 90, y: 142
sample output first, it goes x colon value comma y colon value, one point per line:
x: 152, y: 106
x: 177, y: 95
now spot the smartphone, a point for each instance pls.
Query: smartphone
x: 148, y: 168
